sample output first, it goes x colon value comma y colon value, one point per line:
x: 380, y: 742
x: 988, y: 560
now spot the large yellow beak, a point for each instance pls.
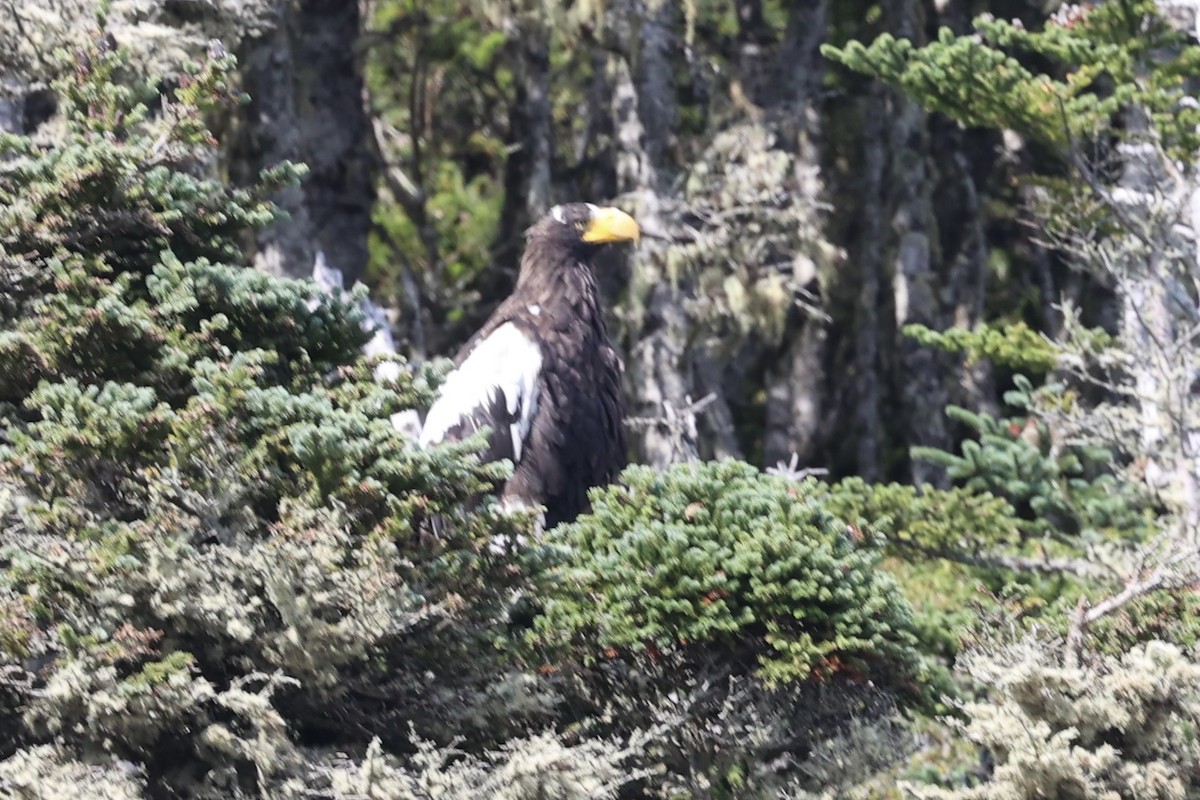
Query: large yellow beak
x: 611, y: 225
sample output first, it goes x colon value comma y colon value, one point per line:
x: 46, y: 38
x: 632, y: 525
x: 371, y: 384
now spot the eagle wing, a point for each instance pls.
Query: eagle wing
x: 495, y: 386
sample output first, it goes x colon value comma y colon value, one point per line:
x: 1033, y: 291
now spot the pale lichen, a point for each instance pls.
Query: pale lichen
x: 159, y: 36
x: 1117, y: 727
x: 45, y: 771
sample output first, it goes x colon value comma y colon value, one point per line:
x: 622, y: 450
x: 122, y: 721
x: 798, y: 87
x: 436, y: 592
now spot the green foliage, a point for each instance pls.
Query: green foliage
x: 442, y: 75
x: 218, y: 559
x: 923, y: 526
x: 1172, y: 617
x: 721, y: 556
x: 216, y: 563
x: 944, y: 546
x: 733, y: 615
x: 203, y: 502
x: 1100, y: 59
x: 464, y: 215
x: 153, y: 673
x: 925, y: 519
x: 1059, y: 490
x: 1015, y: 346
x: 128, y: 175
x: 1024, y: 503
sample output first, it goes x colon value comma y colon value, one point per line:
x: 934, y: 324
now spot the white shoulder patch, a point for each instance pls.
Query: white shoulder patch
x: 506, y: 361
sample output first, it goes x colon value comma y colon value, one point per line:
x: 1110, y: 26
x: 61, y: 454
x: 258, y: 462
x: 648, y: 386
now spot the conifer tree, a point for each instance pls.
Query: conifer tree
x: 1093, y: 710
x: 735, y: 616
x: 1110, y: 96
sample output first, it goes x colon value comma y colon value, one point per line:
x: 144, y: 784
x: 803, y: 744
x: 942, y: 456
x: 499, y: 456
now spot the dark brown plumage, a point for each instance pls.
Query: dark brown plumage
x: 541, y: 373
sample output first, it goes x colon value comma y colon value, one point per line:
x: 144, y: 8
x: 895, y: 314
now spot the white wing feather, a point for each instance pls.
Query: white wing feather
x: 508, y: 361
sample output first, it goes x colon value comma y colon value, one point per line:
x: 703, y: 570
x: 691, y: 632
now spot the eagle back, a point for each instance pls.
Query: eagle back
x: 576, y: 438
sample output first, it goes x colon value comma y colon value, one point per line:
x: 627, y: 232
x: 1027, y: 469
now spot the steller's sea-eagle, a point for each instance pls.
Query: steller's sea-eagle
x: 541, y: 374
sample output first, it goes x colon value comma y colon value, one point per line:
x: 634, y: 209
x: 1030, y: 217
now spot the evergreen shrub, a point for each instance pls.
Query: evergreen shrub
x: 718, y: 556
x: 1119, y: 726
x: 210, y: 534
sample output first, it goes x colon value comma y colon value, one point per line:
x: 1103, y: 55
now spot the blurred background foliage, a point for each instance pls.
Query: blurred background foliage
x: 778, y: 277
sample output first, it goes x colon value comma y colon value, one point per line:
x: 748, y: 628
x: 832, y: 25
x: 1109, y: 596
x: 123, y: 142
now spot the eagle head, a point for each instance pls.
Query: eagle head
x: 587, y: 226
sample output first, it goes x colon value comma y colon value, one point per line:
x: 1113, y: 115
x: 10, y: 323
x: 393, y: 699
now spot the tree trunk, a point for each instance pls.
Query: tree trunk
x: 653, y: 65
x: 914, y: 260
x: 797, y: 391
x: 1158, y: 320
x: 659, y: 375
x: 796, y: 399
x: 306, y: 92
x: 716, y: 428
x: 539, y: 137
x: 868, y: 259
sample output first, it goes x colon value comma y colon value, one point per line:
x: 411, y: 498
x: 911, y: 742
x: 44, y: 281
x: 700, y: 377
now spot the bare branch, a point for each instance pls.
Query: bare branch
x: 1163, y: 576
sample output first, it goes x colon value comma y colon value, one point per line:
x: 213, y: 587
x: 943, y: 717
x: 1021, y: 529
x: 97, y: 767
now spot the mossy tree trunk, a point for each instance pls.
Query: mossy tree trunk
x: 913, y: 258
x: 797, y: 389
x: 659, y: 379
x: 306, y: 89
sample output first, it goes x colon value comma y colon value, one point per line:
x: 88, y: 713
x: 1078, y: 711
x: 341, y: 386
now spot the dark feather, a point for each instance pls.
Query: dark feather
x: 576, y: 438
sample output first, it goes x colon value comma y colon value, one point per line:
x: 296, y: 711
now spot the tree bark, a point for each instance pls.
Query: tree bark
x: 306, y: 91
x: 716, y: 428
x: 797, y: 391
x: 965, y: 249
x: 653, y: 65
x: 539, y: 137
x: 795, y: 410
x: 914, y: 259
x: 868, y: 262
x: 658, y: 375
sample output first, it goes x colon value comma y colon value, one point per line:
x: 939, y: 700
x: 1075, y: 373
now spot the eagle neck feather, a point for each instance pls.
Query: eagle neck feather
x: 560, y: 282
